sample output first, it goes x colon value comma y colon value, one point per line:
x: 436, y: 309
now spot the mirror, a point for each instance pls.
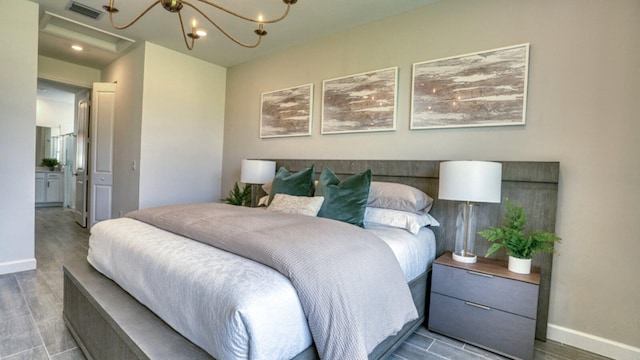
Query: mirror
x: 55, y: 114
x: 46, y: 143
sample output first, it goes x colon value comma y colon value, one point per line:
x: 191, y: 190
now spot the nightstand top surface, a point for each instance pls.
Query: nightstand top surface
x: 491, y: 267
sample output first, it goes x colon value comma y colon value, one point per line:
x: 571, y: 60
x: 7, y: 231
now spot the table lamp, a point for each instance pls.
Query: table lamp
x: 469, y: 181
x: 255, y: 173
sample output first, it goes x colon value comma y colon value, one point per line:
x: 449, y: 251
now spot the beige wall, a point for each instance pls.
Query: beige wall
x: 583, y: 84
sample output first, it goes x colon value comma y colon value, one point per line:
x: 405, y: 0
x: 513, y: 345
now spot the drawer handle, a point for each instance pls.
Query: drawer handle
x: 477, y: 305
x: 479, y: 274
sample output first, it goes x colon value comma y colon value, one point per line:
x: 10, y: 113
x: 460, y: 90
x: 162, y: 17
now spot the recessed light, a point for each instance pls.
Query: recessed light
x: 76, y: 47
x: 201, y: 32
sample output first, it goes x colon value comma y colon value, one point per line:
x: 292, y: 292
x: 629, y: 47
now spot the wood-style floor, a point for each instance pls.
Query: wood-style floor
x: 31, y: 325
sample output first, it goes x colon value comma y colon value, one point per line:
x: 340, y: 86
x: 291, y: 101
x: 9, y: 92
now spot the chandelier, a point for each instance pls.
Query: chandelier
x: 175, y: 6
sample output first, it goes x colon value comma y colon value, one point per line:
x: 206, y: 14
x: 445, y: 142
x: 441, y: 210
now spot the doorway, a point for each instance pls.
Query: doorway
x: 57, y: 128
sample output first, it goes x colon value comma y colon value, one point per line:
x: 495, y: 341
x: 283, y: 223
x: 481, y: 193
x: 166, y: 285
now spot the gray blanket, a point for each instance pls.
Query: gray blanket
x: 349, y: 282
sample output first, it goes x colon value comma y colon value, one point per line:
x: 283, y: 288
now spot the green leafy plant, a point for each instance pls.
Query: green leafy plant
x: 511, y: 236
x: 238, y: 196
x: 50, y: 162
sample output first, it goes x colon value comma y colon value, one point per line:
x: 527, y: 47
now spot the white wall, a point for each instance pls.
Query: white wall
x: 182, y: 128
x: 170, y: 123
x: 55, y: 114
x: 128, y: 72
x: 68, y: 73
x: 17, y: 134
x: 583, y: 87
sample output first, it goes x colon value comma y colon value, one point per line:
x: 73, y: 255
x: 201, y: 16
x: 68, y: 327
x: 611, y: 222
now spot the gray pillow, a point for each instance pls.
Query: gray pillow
x: 396, y: 196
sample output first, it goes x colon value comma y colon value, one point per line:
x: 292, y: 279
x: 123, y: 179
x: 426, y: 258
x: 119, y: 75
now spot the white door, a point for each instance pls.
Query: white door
x: 80, y: 164
x: 103, y: 100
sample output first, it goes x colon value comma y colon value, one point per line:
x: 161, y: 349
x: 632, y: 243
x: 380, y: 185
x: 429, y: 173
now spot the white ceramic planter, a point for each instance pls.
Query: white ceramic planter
x: 520, y: 266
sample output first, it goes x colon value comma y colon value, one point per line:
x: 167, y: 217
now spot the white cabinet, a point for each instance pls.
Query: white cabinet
x: 41, y: 187
x: 54, y: 187
x: 49, y: 188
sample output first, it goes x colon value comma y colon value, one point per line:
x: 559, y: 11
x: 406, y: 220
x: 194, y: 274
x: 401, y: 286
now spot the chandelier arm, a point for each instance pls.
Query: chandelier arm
x: 284, y: 15
x: 221, y: 30
x: 111, y: 3
x: 184, y: 34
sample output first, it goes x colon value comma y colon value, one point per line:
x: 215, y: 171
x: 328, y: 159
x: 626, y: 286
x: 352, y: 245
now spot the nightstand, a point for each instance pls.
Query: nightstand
x: 485, y: 304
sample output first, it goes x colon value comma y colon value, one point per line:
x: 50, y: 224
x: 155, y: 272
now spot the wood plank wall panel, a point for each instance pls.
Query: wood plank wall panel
x: 534, y: 185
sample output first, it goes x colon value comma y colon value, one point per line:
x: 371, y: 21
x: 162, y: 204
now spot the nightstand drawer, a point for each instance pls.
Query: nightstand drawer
x: 509, y: 295
x: 497, y: 330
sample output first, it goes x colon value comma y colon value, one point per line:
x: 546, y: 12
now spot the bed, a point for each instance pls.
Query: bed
x: 99, y: 313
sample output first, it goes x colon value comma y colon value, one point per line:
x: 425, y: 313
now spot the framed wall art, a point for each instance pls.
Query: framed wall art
x: 487, y: 88
x: 360, y: 103
x: 287, y: 112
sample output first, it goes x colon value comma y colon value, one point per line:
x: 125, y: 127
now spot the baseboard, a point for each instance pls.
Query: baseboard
x: 592, y: 343
x: 17, y: 266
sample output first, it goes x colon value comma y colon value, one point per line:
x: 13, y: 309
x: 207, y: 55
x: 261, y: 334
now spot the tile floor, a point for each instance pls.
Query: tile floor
x: 31, y: 325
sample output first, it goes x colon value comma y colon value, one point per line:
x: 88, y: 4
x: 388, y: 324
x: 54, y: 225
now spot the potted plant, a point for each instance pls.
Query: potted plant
x: 239, y: 197
x: 520, y: 247
x: 51, y: 163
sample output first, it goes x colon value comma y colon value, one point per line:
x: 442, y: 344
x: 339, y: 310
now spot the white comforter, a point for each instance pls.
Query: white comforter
x: 232, y: 307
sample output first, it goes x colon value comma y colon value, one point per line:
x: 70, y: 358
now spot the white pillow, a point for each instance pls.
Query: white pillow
x: 409, y: 221
x: 396, y: 196
x: 300, y: 205
x: 264, y: 201
x: 267, y: 187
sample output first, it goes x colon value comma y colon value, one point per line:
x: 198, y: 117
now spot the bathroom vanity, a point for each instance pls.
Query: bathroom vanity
x: 49, y: 188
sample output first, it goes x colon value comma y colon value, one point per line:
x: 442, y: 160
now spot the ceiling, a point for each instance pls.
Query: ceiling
x: 308, y: 20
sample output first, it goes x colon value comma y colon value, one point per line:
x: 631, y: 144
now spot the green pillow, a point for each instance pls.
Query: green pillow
x: 345, y: 201
x: 296, y: 184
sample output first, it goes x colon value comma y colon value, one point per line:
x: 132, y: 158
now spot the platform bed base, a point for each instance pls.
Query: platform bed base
x: 108, y: 323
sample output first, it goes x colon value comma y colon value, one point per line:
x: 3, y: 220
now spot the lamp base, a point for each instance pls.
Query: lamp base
x: 255, y: 188
x: 465, y: 258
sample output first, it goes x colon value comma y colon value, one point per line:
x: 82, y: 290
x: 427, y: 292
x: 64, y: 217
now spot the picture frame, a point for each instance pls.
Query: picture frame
x: 364, y: 102
x: 487, y: 88
x: 286, y: 112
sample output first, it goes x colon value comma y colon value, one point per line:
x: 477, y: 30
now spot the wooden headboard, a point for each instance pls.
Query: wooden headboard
x: 534, y: 185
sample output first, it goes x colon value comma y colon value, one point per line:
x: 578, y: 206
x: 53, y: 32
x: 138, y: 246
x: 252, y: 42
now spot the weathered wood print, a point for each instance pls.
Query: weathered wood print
x: 360, y: 103
x: 287, y: 112
x: 482, y: 89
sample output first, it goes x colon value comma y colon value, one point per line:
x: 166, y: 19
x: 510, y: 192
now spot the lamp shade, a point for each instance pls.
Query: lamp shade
x: 474, y: 181
x: 257, y: 171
